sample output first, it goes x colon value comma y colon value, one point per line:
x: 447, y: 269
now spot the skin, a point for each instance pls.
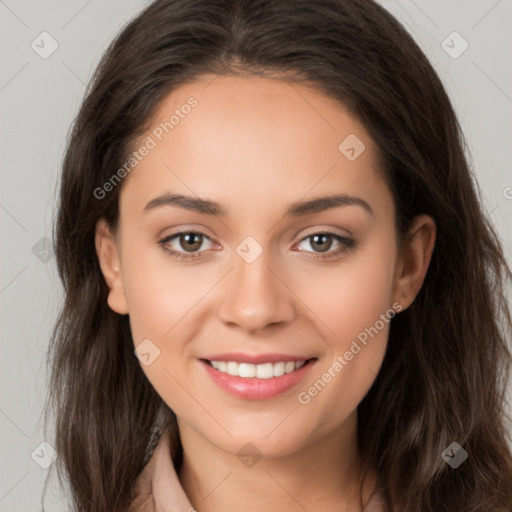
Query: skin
x: 256, y: 145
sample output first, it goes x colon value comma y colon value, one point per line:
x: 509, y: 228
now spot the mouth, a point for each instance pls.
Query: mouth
x: 261, y: 381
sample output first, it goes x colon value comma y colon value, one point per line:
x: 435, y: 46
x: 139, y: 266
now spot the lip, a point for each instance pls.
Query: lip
x: 253, y: 388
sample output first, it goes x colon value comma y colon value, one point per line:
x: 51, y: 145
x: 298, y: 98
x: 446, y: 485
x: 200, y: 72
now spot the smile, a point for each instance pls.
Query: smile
x: 258, y: 380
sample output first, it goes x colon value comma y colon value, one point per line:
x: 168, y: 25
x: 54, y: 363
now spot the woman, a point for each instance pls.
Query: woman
x: 281, y: 291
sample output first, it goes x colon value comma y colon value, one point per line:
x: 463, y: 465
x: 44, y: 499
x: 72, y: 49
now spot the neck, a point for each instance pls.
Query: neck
x: 324, y: 475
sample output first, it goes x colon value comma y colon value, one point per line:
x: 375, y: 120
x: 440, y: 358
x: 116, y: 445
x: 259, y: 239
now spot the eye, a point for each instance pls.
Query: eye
x: 322, y: 242
x: 184, y: 245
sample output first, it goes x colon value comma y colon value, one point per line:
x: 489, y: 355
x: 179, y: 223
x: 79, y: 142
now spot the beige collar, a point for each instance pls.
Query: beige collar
x: 158, y: 488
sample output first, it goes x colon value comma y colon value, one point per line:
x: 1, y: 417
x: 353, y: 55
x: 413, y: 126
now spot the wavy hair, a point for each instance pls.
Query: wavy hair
x: 445, y: 372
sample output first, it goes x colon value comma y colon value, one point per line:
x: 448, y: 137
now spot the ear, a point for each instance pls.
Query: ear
x: 413, y: 262
x: 108, y: 256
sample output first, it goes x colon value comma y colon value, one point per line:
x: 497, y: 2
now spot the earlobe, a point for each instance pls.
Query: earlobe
x: 108, y: 258
x: 415, y: 259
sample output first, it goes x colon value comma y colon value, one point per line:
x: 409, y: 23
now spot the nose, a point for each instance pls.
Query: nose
x: 255, y: 296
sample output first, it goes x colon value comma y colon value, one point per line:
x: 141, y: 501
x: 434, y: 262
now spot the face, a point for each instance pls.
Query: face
x: 262, y: 315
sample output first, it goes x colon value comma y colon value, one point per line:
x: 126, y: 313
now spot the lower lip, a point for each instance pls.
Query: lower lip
x: 252, y: 388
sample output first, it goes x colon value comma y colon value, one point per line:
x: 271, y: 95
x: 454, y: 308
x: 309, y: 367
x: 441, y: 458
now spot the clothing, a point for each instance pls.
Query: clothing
x: 158, y: 489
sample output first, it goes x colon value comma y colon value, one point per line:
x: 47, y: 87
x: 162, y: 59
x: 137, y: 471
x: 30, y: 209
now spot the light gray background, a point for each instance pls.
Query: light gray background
x: 39, y: 99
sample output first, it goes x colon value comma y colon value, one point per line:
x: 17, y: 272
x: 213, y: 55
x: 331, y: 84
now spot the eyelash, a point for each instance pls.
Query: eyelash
x: 347, y: 244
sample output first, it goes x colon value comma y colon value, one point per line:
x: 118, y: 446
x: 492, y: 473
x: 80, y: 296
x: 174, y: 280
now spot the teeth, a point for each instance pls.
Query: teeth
x: 265, y: 371
x: 232, y: 368
x: 289, y: 367
x: 246, y: 370
x: 261, y: 371
x: 279, y: 369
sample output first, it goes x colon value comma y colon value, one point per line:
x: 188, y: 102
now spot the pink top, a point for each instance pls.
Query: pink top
x: 158, y: 489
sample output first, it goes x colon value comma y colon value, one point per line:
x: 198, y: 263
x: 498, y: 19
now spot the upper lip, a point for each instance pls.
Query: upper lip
x: 241, y: 357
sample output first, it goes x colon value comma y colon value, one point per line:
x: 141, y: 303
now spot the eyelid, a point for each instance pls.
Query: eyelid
x: 184, y: 228
x: 332, y: 230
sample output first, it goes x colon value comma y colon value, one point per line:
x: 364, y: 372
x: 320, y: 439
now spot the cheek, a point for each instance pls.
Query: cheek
x: 165, y: 306
x: 352, y: 294
x: 160, y: 302
x: 159, y: 294
x: 354, y: 305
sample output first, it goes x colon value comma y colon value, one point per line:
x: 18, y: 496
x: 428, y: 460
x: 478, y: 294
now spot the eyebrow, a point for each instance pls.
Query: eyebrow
x: 297, y: 209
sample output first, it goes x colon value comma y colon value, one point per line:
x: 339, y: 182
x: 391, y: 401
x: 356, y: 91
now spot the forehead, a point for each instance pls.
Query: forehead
x: 250, y: 140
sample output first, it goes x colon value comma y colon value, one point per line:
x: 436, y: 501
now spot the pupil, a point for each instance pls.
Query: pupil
x: 323, y: 246
x: 190, y: 244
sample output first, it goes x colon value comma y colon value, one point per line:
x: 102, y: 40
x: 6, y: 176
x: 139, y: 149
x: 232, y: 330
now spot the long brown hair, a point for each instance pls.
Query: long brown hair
x: 447, y: 365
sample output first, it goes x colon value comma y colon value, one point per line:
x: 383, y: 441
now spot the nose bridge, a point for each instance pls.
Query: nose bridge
x: 254, y: 296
